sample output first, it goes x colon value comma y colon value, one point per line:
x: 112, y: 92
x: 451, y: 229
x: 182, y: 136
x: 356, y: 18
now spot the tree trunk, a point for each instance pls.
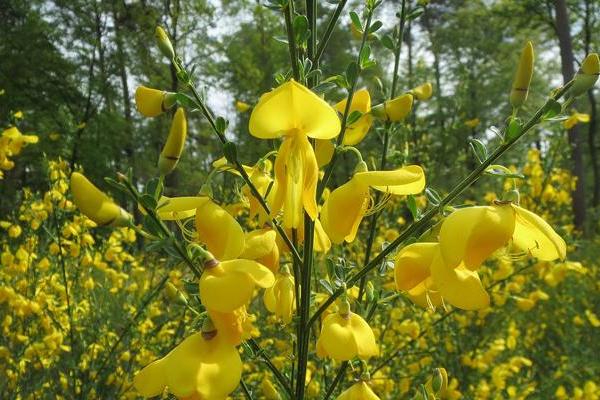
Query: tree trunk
x: 563, y: 31
x: 593, y: 126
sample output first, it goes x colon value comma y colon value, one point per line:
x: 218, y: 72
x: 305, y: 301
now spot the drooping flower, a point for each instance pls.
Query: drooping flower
x: 358, y: 391
x: 355, y: 132
x: 152, y: 102
x: 226, y: 286
x: 346, y: 206
x: 520, y: 86
x: 204, y: 366
x: 420, y: 269
x: 346, y: 335
x: 423, y: 92
x: 280, y: 298
x: 171, y: 152
x: 470, y: 235
x: 295, y: 113
x: 97, y: 206
x: 219, y: 231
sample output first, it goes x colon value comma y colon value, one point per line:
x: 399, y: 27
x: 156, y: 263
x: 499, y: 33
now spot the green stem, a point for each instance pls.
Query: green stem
x: 281, y: 379
x: 398, y: 49
x: 340, y: 139
x: 338, y: 378
x: 421, y: 224
x: 288, y: 12
x: 246, y: 390
x: 328, y: 31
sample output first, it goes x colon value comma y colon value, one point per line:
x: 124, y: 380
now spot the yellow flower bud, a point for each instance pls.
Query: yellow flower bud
x: 587, y: 75
x: 92, y: 202
x: 423, y: 92
x: 170, y: 154
x: 520, y: 86
x: 394, y: 110
x: 164, y: 43
x: 241, y: 106
x: 152, y: 102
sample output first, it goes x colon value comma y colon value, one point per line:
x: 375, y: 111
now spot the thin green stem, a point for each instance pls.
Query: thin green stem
x: 245, y: 390
x: 288, y: 12
x: 340, y: 139
x: 398, y: 48
x: 420, y: 225
x: 336, y: 381
x: 329, y: 30
x: 281, y: 379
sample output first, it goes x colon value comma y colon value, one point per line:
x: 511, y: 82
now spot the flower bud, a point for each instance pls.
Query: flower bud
x: 394, y: 110
x: 152, y: 102
x: 92, y: 202
x: 520, y: 86
x: 423, y: 92
x: 241, y: 106
x: 164, y: 43
x: 587, y: 75
x: 170, y: 154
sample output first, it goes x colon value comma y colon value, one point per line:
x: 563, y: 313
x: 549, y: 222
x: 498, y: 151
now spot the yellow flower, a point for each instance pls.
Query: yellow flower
x: 234, y: 326
x: 346, y: 206
x: 16, y: 140
x: 586, y: 76
x: 574, y: 119
x: 322, y: 243
x: 164, y: 43
x: 241, y: 106
x: 470, y: 235
x: 394, y: 110
x: 228, y: 285
x: 95, y: 204
x: 358, y: 391
x: 420, y: 270
x: 219, y: 231
x: 346, y: 335
x: 361, y: 101
x: 200, y: 367
x: 179, y: 208
x: 171, y: 152
x: 472, y: 123
x: 261, y: 245
x: 280, y: 298
x: 18, y: 115
x: 296, y: 113
x: 520, y: 86
x: 324, y: 150
x: 423, y: 92
x: 152, y: 102
x: 269, y: 390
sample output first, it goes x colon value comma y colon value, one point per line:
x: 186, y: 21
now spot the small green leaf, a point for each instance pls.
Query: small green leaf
x: 148, y: 201
x: 186, y: 101
x: 364, y: 55
x: 415, y: 13
x: 375, y: 27
x: 352, y: 72
x: 356, y: 21
x: 301, y: 30
x: 326, y: 285
x: 411, y: 203
x: 514, y: 128
x: 433, y: 196
x: 230, y: 152
x: 221, y: 124
x: 551, y: 109
x: 388, y: 42
x: 154, y: 188
x: 353, y: 117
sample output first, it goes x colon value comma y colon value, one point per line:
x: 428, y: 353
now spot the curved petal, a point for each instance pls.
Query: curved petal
x: 533, y: 235
x: 292, y: 108
x: 343, y: 211
x: 311, y: 177
x: 258, y: 273
x: 324, y: 151
x: 459, y: 286
x: 178, y: 208
x: 472, y: 234
x: 151, y: 381
x: 322, y: 243
x: 269, y: 299
x: 221, y: 233
x: 223, y: 290
x: 259, y: 243
x: 402, y: 181
x: 220, y: 373
x: 366, y: 345
x: 412, y: 264
x: 361, y: 101
x: 398, y: 108
x: 358, y: 391
x: 426, y: 294
x: 423, y: 92
x: 279, y: 188
x: 336, y: 339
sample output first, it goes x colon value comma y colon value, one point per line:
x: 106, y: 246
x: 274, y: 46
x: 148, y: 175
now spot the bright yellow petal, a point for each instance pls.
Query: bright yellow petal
x: 336, y: 339
x: 412, y: 264
x: 224, y: 290
x: 472, y: 234
x: 280, y: 185
x: 426, y: 294
x: 219, y: 231
x: 259, y: 243
x: 459, y: 286
x: 292, y: 108
x: 366, y: 345
x: 324, y: 151
x: 423, y: 92
x: 151, y: 380
x: 343, y: 211
x: 402, y: 181
x: 149, y: 101
x: 361, y: 101
x: 533, y: 235
x: 358, y: 391
x: 178, y: 208
x: 322, y: 243
x: 311, y: 178
x: 258, y: 273
x: 399, y: 108
x: 96, y: 205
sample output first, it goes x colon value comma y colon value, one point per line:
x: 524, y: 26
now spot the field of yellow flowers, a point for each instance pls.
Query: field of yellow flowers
x: 292, y: 285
